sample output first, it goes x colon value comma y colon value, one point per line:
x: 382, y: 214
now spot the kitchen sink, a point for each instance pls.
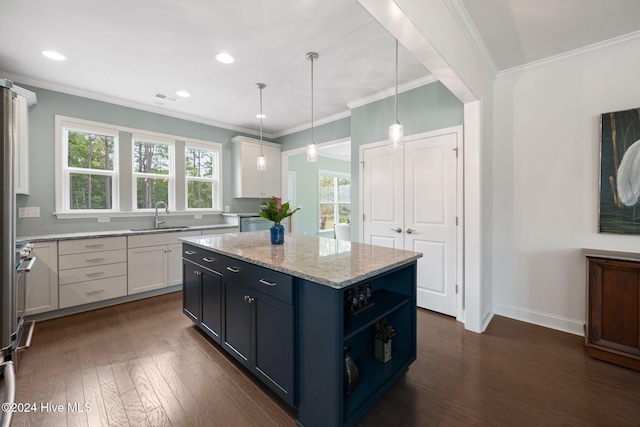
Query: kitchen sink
x: 170, y: 228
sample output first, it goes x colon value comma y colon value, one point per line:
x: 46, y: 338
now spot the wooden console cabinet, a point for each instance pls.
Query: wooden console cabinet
x: 613, y: 312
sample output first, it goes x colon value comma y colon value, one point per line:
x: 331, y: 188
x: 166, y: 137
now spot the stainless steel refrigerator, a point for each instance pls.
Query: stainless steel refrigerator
x: 8, y: 296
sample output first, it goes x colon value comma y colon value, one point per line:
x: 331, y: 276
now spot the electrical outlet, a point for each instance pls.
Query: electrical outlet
x: 29, y: 212
x: 104, y: 219
x: 197, y: 216
x: 226, y: 208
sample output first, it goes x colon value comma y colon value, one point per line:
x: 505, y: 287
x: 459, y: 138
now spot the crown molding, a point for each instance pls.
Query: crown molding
x: 116, y: 101
x: 606, y: 44
x: 391, y: 91
x: 460, y: 14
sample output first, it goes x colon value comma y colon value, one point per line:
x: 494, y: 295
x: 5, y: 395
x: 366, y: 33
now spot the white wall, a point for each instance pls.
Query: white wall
x: 545, y: 180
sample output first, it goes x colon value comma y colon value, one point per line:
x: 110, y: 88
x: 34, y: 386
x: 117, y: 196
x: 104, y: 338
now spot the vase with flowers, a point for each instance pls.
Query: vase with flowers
x: 274, y: 210
x: 383, y: 333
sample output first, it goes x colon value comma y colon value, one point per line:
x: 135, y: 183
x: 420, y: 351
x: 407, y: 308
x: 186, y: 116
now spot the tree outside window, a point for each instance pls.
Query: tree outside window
x: 202, y: 178
x: 335, y: 199
x: 90, y: 169
x: 152, y: 172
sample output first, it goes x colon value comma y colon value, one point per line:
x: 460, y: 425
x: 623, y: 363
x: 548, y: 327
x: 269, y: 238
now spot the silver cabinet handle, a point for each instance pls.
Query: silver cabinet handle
x: 197, y: 273
x: 409, y: 231
x: 248, y: 299
x: 208, y: 259
x: 95, y: 292
x: 96, y: 245
x: 264, y: 282
x: 397, y: 230
x: 29, y: 266
x: 233, y: 270
x: 95, y: 259
x: 190, y: 252
x: 97, y: 273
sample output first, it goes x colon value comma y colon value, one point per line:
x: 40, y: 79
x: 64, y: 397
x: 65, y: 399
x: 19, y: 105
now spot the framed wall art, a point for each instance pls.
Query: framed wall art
x: 620, y: 172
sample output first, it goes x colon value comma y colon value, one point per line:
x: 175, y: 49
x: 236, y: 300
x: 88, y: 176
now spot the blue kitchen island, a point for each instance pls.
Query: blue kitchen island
x: 288, y: 313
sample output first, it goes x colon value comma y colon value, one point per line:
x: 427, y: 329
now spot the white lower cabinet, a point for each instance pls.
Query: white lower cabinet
x: 155, y: 261
x: 92, y: 270
x: 42, y: 280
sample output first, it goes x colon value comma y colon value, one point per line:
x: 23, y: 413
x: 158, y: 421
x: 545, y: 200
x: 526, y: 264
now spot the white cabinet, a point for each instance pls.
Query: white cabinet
x: 92, y: 270
x: 248, y: 181
x: 21, y: 171
x: 42, y: 280
x: 155, y: 260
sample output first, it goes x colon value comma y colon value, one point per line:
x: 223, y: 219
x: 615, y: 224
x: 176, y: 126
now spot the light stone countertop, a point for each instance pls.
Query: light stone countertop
x: 119, y: 233
x: 330, y: 262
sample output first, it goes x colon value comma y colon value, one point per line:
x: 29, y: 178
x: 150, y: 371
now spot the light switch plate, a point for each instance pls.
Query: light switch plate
x: 104, y: 219
x: 33, y: 212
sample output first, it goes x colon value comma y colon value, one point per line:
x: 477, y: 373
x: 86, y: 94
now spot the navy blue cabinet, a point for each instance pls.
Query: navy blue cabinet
x: 191, y: 291
x: 237, y: 321
x: 211, y: 316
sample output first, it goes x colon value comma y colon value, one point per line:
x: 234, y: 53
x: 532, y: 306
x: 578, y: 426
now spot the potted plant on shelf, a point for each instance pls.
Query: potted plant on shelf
x: 382, y: 340
x: 274, y: 210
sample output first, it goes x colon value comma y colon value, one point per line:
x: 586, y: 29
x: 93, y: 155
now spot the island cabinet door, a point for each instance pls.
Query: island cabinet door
x: 212, y: 305
x: 191, y: 291
x: 273, y: 350
x: 237, y: 320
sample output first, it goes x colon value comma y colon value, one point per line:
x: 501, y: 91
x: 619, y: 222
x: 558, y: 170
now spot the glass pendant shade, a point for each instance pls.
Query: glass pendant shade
x: 312, y: 153
x: 262, y: 163
x: 396, y: 133
x: 262, y: 160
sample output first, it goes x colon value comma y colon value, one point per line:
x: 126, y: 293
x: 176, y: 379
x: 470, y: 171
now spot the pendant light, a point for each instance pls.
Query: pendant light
x: 312, y: 150
x: 396, y: 130
x: 262, y: 160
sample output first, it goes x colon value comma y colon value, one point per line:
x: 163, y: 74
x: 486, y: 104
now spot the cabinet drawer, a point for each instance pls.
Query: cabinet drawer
x: 92, y: 259
x: 208, y: 259
x: 83, y: 274
x: 265, y: 280
x: 92, y: 291
x: 81, y: 246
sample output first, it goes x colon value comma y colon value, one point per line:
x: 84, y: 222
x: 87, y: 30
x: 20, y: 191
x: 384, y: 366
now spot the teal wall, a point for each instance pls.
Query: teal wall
x: 306, y: 219
x: 42, y: 167
x: 426, y: 108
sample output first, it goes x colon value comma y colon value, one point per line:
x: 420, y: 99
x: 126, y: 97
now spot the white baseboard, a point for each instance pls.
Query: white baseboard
x: 560, y: 323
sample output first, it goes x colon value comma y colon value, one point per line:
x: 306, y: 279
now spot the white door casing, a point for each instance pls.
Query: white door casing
x: 425, y: 173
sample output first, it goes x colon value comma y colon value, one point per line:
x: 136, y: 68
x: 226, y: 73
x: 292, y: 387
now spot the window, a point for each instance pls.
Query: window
x: 152, y: 171
x: 334, y: 199
x: 89, y: 169
x: 202, y: 177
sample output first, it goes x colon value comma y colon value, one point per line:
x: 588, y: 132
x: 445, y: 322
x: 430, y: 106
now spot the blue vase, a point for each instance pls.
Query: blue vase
x: 277, y: 233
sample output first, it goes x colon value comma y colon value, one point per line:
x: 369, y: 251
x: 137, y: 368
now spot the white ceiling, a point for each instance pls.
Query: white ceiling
x: 124, y: 51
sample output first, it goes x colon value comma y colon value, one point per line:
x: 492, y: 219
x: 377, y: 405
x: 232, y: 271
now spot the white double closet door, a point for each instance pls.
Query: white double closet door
x: 410, y: 198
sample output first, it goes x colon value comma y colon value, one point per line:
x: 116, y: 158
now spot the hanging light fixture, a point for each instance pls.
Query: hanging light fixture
x: 262, y: 160
x: 312, y: 150
x: 396, y: 130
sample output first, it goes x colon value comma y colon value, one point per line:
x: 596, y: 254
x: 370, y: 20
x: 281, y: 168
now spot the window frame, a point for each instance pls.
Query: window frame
x: 336, y: 211
x: 151, y: 138
x: 64, y: 171
x: 216, y: 180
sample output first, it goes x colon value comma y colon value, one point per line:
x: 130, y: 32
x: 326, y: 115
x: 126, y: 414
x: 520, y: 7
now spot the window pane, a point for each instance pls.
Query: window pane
x: 326, y: 216
x: 151, y: 191
x: 90, y: 150
x: 199, y: 194
x: 344, y: 211
x: 344, y: 190
x: 90, y: 191
x: 149, y: 157
x: 199, y: 163
x: 326, y: 189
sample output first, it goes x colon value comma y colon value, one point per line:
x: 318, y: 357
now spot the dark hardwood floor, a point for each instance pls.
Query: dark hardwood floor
x: 144, y: 364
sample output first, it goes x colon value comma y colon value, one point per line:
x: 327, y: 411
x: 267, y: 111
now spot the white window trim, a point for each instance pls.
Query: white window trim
x: 217, y: 180
x: 63, y: 171
x: 333, y: 174
x: 151, y: 138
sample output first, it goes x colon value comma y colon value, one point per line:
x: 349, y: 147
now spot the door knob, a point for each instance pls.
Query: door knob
x: 397, y: 230
x: 409, y: 231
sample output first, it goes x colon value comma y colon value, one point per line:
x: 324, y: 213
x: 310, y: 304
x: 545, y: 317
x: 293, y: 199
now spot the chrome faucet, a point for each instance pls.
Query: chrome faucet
x: 164, y: 205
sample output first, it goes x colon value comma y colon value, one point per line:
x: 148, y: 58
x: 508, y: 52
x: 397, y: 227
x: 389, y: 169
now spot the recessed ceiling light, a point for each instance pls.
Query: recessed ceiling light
x: 224, y: 57
x: 261, y: 116
x: 52, y: 54
x: 183, y: 94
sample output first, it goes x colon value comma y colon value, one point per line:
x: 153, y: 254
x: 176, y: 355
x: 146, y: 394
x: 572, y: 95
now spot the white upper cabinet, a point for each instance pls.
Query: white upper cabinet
x: 248, y: 181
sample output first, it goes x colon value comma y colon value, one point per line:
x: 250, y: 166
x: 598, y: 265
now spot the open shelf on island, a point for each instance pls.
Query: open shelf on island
x: 385, y: 303
x: 373, y: 374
